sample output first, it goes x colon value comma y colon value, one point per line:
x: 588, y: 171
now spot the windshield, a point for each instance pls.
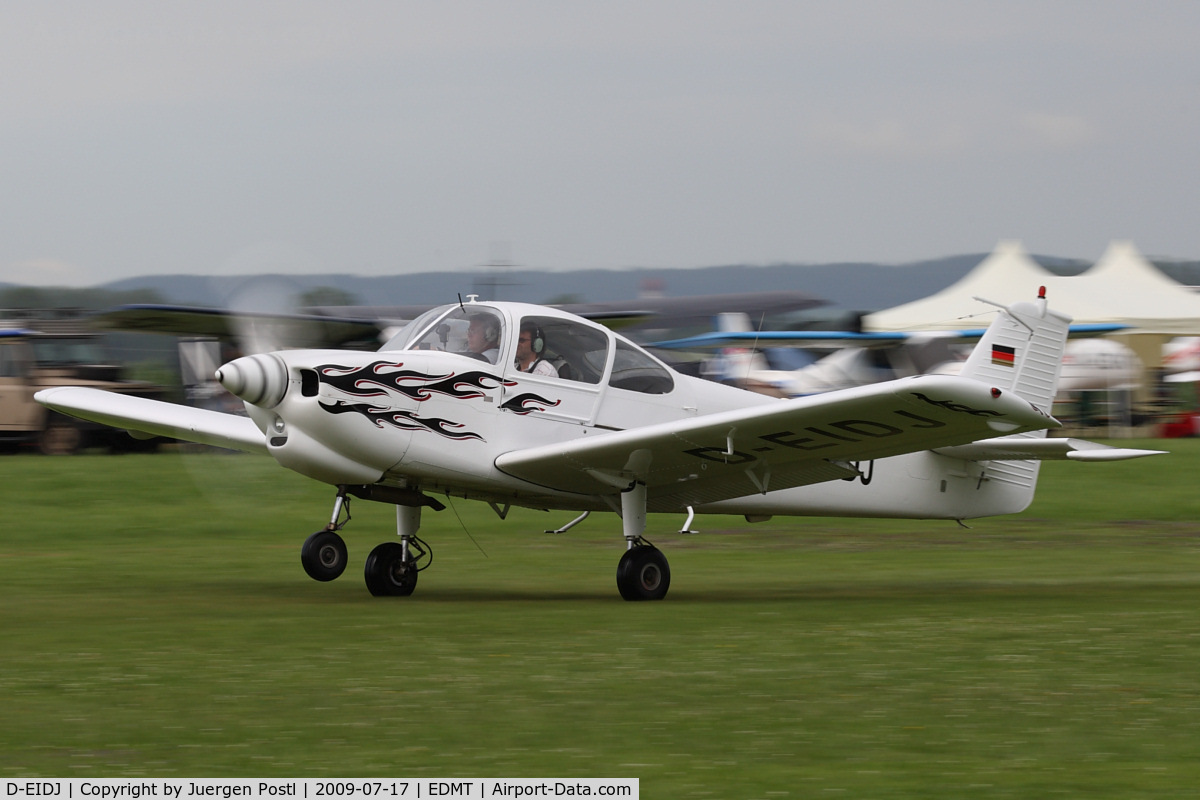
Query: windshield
x: 470, y: 330
x: 403, y: 337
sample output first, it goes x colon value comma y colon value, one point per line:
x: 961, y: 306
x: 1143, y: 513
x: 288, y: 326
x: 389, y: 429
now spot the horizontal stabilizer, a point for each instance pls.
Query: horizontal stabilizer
x: 155, y: 417
x: 1020, y: 448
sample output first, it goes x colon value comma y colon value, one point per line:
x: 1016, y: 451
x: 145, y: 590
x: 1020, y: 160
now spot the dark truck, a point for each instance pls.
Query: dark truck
x: 38, y: 354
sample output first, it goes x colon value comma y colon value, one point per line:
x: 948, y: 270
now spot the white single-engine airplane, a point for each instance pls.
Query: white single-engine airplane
x: 441, y: 408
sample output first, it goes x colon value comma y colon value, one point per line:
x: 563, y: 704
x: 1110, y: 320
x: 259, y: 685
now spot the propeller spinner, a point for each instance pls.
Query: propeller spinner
x: 260, y: 380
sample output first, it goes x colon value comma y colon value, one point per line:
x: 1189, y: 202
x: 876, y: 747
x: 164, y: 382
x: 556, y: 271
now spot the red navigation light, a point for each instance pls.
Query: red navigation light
x: 1041, y: 293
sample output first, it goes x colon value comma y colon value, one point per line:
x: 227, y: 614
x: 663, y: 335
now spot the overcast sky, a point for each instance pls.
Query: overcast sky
x: 389, y: 137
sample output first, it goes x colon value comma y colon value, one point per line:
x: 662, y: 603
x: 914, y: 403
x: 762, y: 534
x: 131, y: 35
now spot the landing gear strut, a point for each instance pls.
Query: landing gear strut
x: 642, y: 573
x: 391, y: 568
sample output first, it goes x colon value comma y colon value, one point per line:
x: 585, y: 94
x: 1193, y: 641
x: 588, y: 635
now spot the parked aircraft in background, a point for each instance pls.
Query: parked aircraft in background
x: 1181, y: 359
x: 801, y: 363
x: 441, y: 410
x: 1099, y: 365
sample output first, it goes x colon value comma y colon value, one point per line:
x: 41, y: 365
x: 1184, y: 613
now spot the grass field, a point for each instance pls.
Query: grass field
x: 155, y: 620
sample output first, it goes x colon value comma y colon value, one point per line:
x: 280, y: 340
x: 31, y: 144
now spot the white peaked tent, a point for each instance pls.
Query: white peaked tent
x: 1122, y: 288
x: 1005, y: 276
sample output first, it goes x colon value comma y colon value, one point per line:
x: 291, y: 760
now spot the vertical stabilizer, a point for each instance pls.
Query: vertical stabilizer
x: 1021, y: 352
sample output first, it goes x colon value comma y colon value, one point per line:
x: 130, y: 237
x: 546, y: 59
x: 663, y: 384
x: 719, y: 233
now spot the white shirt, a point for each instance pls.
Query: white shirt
x: 542, y: 367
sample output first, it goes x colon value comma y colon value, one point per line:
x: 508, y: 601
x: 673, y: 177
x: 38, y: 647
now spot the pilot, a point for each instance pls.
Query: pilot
x: 483, y: 337
x: 531, y: 344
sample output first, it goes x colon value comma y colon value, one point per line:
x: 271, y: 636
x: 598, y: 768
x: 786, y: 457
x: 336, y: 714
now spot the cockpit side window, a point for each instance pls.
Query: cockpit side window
x: 577, y: 352
x: 635, y: 371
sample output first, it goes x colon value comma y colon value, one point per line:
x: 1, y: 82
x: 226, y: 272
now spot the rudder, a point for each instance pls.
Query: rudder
x: 1022, y: 351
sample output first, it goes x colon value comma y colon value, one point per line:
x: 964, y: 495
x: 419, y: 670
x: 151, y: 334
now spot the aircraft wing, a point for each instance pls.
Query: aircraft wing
x: 1017, y: 448
x: 155, y: 417
x: 777, y: 444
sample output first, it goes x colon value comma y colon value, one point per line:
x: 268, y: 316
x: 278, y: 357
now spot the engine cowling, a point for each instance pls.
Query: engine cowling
x: 316, y: 421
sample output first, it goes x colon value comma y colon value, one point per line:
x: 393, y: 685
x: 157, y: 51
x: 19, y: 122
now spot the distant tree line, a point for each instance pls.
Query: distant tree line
x: 326, y: 296
x: 90, y: 299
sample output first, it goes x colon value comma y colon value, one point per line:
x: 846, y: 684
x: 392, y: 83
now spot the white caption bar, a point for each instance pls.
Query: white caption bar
x: 317, y: 789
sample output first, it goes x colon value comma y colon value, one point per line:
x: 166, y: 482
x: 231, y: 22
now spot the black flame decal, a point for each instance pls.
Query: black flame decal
x: 528, y: 403
x: 380, y: 377
x: 404, y: 420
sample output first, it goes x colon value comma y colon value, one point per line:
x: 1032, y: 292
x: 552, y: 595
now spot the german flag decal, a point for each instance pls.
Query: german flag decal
x: 1004, y: 356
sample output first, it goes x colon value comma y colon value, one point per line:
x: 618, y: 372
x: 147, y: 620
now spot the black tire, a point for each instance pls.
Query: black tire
x: 60, y: 437
x: 324, y: 556
x: 643, y: 574
x: 387, y: 573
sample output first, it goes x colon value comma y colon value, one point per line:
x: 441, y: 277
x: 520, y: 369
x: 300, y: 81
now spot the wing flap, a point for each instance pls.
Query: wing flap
x: 753, y: 479
x: 155, y: 417
x: 777, y: 444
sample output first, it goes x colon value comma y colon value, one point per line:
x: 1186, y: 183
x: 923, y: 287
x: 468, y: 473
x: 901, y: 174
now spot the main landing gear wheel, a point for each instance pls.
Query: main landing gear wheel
x: 324, y: 556
x: 643, y: 573
x: 388, y: 573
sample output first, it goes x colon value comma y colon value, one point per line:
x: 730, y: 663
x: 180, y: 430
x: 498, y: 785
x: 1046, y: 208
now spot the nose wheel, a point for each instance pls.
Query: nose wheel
x: 391, y: 569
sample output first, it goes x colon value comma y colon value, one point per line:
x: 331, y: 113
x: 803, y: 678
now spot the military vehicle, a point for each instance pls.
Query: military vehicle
x: 41, y: 350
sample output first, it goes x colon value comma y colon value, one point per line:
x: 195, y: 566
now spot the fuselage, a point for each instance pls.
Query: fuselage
x: 429, y: 412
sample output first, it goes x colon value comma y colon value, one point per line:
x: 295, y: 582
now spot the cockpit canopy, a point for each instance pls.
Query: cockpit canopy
x: 577, y: 350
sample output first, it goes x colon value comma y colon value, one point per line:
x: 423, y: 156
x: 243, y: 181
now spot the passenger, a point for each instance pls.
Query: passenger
x: 483, y: 337
x: 531, y: 344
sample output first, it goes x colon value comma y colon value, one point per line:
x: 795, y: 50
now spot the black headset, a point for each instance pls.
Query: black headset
x: 537, y: 342
x: 489, y: 326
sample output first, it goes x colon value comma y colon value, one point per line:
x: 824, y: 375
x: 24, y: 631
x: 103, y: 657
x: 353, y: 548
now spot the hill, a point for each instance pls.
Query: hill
x: 856, y: 286
x: 853, y: 286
